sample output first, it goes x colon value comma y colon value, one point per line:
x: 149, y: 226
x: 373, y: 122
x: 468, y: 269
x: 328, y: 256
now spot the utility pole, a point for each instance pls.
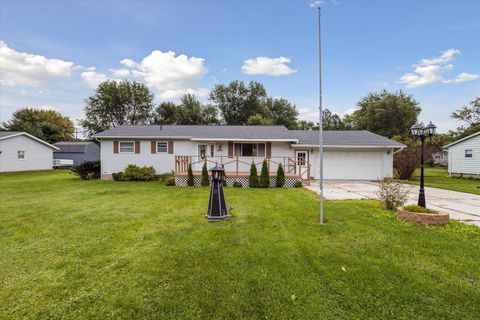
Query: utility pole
x: 320, y: 110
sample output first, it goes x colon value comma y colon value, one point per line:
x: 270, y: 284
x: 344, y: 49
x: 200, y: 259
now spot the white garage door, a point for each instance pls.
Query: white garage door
x: 353, y: 165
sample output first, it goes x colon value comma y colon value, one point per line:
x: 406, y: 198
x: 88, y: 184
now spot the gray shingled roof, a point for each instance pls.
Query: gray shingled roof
x: 72, y: 147
x: 7, y: 133
x: 344, y: 138
x: 341, y: 138
x: 197, y: 131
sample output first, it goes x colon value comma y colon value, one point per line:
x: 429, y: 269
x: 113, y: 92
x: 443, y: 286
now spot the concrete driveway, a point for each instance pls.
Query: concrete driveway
x: 464, y: 207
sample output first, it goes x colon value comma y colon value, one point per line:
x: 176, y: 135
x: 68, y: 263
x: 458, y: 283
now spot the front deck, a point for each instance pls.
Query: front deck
x: 238, y: 168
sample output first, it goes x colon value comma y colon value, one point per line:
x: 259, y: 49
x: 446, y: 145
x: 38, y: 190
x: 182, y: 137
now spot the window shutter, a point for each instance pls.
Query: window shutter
x: 137, y: 146
x: 115, y: 146
x: 170, y: 147
x: 153, y: 146
x: 268, y: 151
x: 230, y: 149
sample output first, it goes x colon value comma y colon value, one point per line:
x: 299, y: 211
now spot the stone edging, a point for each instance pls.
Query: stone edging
x: 423, y: 218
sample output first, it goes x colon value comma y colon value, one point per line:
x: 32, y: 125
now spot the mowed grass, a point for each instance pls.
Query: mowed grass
x: 438, y: 178
x: 72, y: 249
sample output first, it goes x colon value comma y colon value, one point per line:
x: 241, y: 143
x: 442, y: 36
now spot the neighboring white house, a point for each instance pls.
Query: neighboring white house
x: 464, y: 156
x: 348, y: 154
x: 20, y: 151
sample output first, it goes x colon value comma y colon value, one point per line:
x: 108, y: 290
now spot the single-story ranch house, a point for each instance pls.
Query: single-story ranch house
x: 348, y: 154
x: 20, y: 151
x: 78, y: 152
x: 464, y: 156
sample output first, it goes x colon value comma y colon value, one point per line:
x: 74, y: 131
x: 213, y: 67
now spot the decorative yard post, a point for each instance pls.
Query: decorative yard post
x: 420, y: 131
x: 217, y: 209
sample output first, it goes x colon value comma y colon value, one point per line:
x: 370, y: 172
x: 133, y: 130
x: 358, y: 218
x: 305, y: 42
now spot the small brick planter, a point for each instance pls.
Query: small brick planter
x: 434, y: 219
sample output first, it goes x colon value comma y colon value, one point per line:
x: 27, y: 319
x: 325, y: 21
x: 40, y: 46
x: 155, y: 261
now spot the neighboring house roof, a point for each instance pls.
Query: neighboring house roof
x: 198, y: 132
x: 72, y: 147
x: 463, y: 139
x: 10, y: 134
x: 242, y: 133
x: 345, y: 138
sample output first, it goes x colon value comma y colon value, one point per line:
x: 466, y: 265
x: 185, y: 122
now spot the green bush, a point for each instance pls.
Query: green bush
x: 298, y: 184
x: 87, y: 170
x: 190, y: 180
x: 164, y: 176
x: 253, y: 178
x: 135, y: 173
x: 205, y: 179
x: 280, y: 180
x: 415, y: 208
x: 237, y: 184
x: 170, y: 181
x: 118, y: 176
x: 264, y: 176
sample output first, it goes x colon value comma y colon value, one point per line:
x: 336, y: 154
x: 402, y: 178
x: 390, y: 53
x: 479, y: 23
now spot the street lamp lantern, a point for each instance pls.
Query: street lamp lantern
x: 419, y: 131
x: 430, y: 130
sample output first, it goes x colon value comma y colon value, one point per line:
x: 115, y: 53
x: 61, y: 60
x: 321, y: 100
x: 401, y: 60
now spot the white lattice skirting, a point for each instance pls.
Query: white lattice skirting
x: 182, y: 181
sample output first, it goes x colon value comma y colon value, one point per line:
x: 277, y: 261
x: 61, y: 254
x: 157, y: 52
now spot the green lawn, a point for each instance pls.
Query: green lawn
x: 438, y: 178
x: 71, y: 249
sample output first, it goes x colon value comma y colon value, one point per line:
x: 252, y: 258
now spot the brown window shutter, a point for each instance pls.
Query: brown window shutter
x: 115, y: 146
x: 170, y: 147
x: 153, y: 146
x: 137, y: 146
x: 268, y: 151
x: 230, y: 149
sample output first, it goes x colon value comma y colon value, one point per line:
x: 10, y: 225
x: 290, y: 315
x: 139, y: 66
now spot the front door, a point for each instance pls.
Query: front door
x: 302, y: 163
x: 206, y: 150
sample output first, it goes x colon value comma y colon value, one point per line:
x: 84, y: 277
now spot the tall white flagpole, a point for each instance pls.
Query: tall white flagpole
x: 320, y: 109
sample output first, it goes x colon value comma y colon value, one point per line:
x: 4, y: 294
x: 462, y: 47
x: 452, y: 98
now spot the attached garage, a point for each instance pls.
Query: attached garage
x: 350, y: 155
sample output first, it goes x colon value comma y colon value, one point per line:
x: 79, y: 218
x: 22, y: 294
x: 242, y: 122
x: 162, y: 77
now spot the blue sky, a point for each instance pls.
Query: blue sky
x: 53, y: 52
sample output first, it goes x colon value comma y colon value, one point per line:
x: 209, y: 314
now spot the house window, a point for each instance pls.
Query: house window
x: 162, y: 146
x: 127, y: 147
x: 250, y: 149
x: 21, y: 155
x: 468, y: 153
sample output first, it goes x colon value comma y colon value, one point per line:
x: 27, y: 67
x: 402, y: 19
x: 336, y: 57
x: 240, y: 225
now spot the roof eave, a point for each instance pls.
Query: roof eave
x: 461, y: 140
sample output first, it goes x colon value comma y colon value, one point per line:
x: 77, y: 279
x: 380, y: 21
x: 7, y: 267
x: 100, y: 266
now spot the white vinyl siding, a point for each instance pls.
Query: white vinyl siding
x: 464, y: 157
x: 36, y: 155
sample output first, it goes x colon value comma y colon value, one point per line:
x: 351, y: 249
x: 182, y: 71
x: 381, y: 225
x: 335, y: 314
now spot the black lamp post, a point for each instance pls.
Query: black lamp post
x: 217, y: 209
x: 421, y: 131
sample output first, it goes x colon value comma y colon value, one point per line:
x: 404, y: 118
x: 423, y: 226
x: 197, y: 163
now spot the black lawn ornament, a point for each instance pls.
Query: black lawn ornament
x: 217, y: 209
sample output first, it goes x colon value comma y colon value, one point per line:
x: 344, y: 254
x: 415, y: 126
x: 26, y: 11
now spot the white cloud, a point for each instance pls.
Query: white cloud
x: 166, y: 71
x: 121, y: 73
x: 267, y: 66
x: 92, y: 78
x: 176, y: 94
x: 464, y: 77
x: 26, y: 69
x: 429, y: 71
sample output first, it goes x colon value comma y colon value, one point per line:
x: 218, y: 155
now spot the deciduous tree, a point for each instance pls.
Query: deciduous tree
x: 48, y: 125
x: 117, y: 103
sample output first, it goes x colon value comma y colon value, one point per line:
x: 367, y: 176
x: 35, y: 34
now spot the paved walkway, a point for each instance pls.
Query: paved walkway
x: 464, y: 207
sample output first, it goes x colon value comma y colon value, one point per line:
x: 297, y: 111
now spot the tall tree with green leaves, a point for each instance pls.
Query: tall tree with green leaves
x: 264, y: 181
x: 189, y: 111
x: 238, y: 101
x: 470, y: 115
x: 48, y: 125
x: 165, y: 113
x: 259, y: 120
x: 331, y: 121
x: 116, y: 103
x: 386, y: 113
x: 282, y: 112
